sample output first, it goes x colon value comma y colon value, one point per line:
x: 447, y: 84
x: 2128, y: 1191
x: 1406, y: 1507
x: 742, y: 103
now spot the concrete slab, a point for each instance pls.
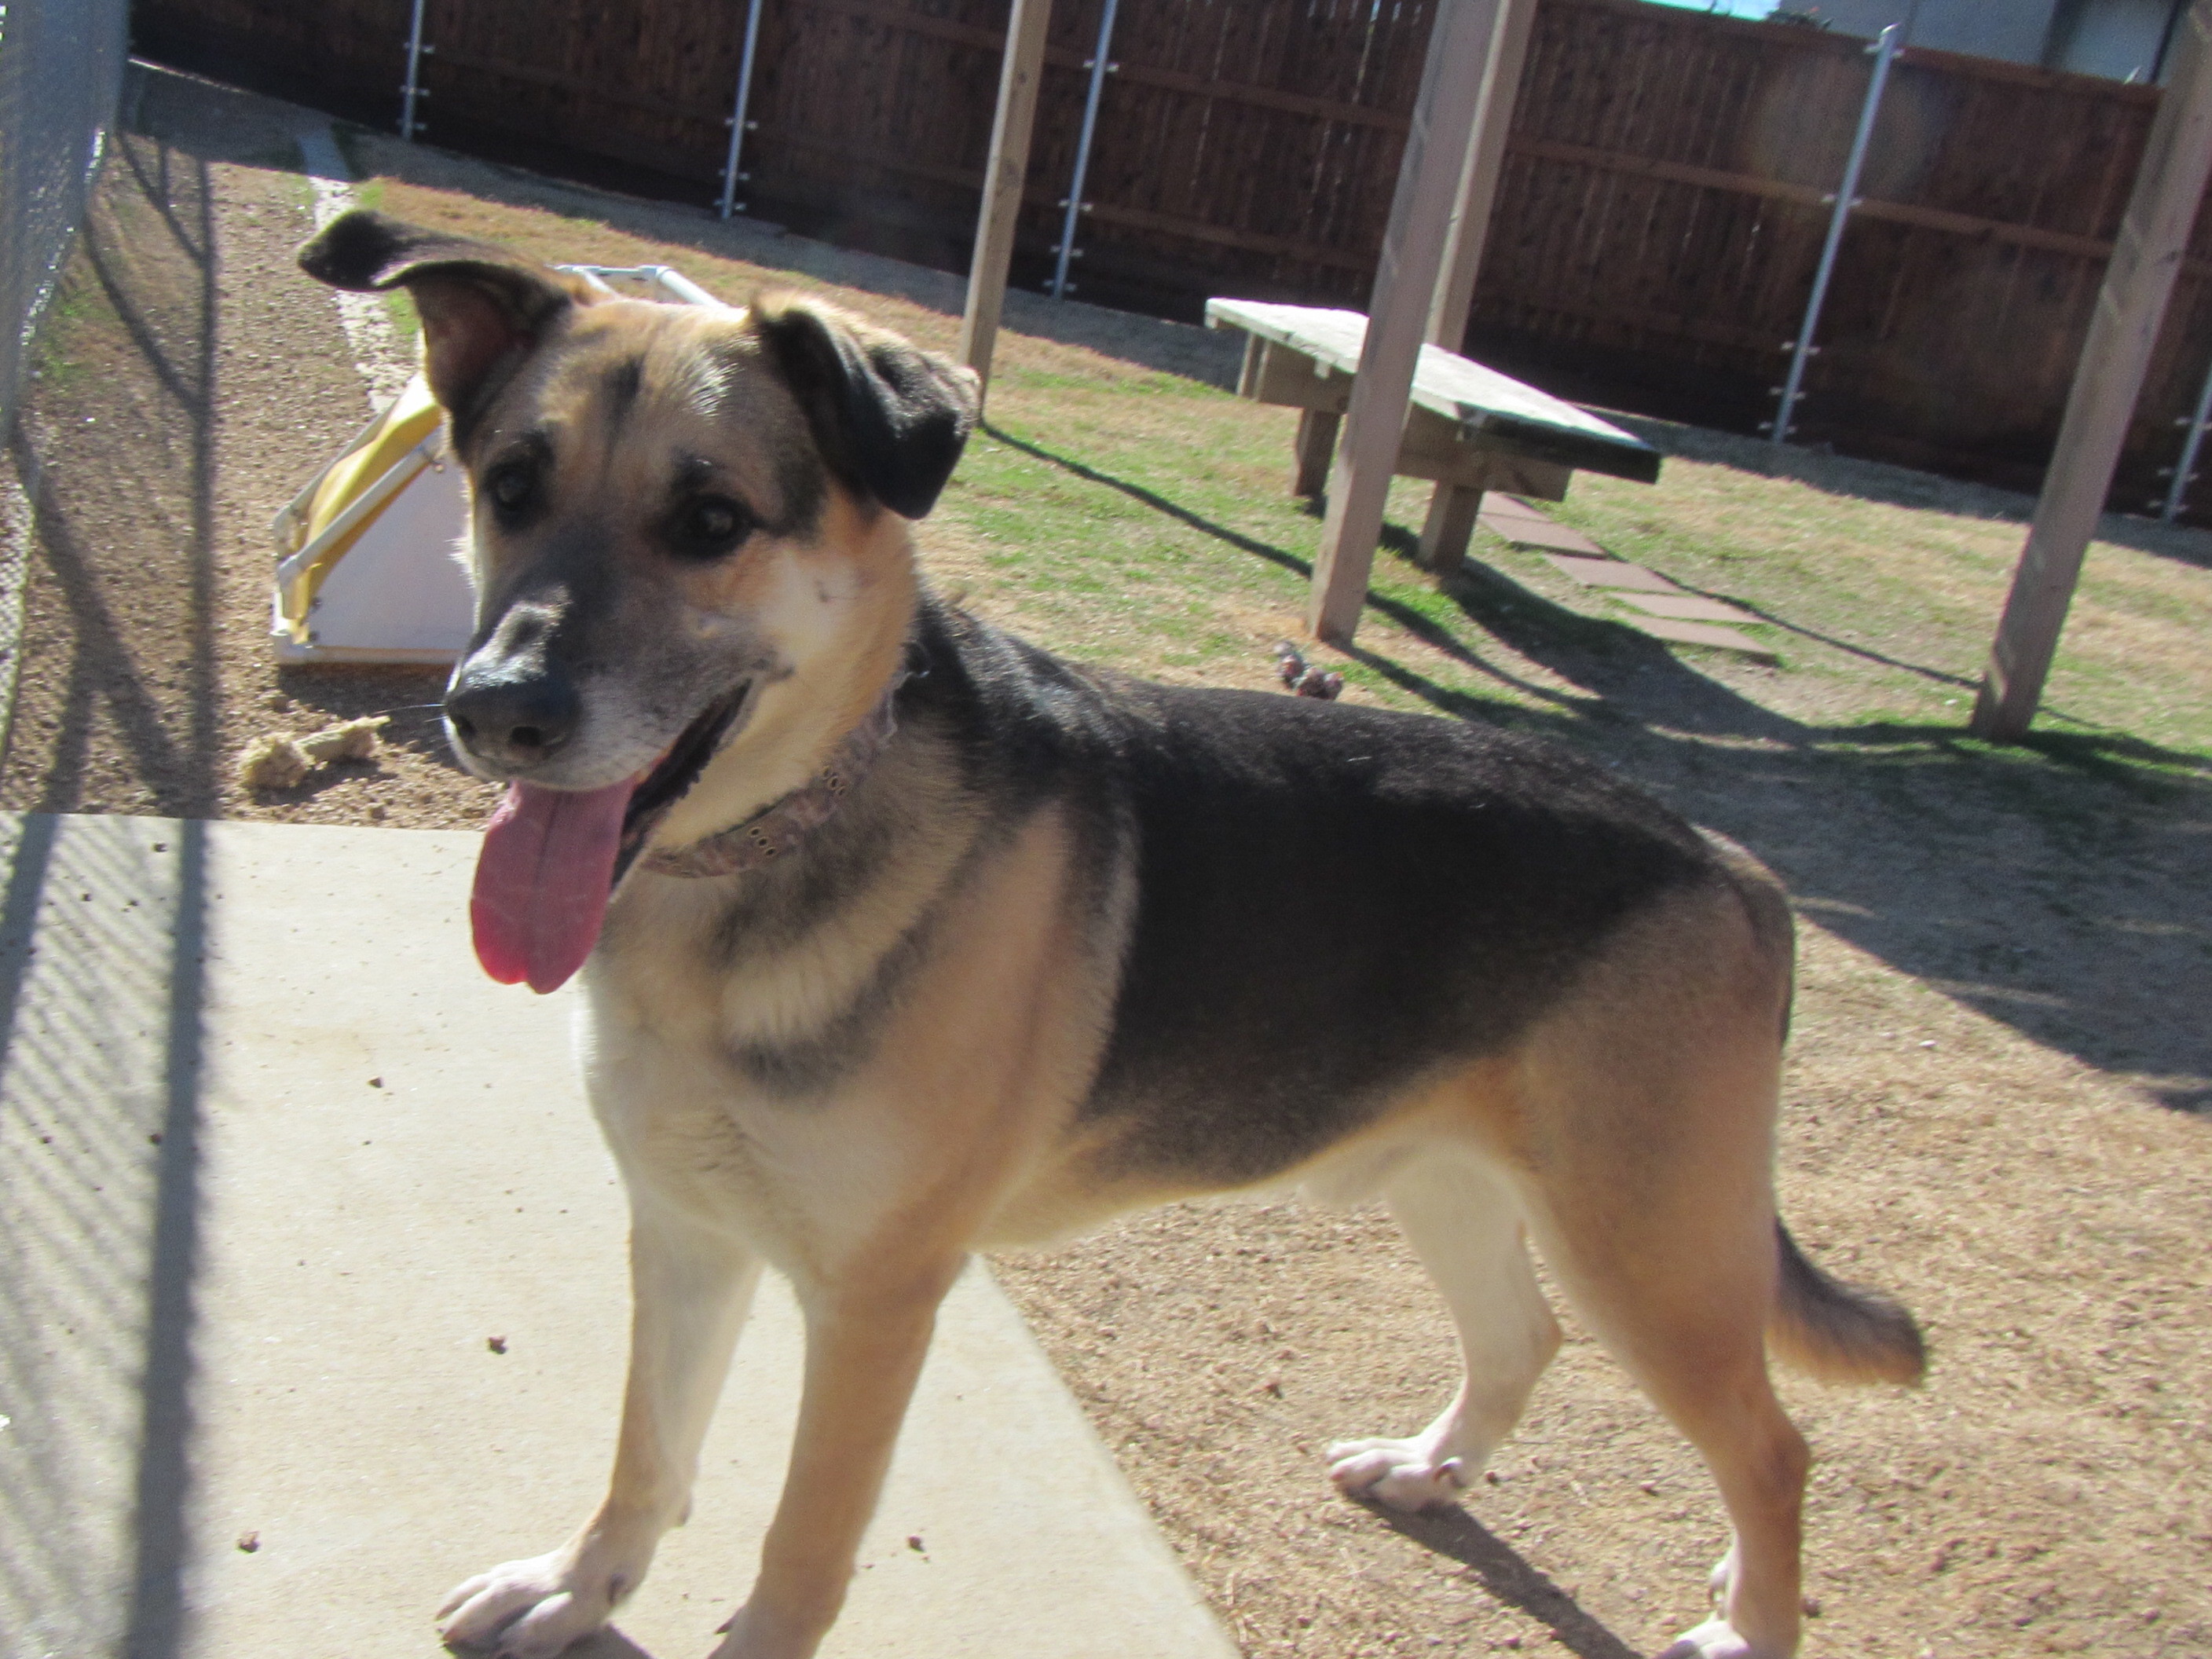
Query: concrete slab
x: 1500, y: 506
x: 1704, y: 634
x: 1611, y: 573
x: 1687, y: 607
x: 1542, y: 533
x: 276, y: 1163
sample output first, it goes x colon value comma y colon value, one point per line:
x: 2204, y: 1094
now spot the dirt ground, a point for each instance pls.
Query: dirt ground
x: 1993, y: 1105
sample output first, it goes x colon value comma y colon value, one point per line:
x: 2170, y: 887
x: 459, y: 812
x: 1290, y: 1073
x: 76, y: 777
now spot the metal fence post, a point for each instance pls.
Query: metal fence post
x: 1846, y: 198
x: 409, y: 126
x: 1100, y: 68
x: 2185, y: 469
x: 738, y: 124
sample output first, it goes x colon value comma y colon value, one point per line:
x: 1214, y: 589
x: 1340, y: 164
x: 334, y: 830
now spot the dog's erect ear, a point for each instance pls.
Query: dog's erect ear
x: 483, y: 307
x: 889, y: 420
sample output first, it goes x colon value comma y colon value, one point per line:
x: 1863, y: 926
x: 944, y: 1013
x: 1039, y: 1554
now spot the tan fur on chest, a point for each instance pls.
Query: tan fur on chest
x: 970, y: 1083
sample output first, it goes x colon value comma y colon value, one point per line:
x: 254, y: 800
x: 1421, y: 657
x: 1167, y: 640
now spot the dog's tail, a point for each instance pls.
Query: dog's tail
x: 1841, y: 1333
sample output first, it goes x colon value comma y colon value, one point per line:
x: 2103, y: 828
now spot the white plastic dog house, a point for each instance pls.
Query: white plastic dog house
x: 369, y: 561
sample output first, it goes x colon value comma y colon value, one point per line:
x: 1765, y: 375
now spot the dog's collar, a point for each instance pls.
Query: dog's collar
x: 779, y: 828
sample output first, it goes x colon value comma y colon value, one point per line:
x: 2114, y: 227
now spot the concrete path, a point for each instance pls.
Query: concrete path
x: 1661, y: 609
x: 277, y: 1164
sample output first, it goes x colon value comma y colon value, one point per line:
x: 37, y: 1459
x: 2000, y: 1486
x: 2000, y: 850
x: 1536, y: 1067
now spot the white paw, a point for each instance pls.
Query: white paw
x: 533, y: 1610
x: 1715, y: 1639
x: 1406, y: 1475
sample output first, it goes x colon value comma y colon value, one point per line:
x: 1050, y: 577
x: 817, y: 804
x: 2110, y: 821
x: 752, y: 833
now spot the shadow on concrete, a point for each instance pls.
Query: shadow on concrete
x: 158, y: 1529
x: 607, y: 1643
x: 102, y: 1002
x: 128, y: 1193
x: 2060, y: 885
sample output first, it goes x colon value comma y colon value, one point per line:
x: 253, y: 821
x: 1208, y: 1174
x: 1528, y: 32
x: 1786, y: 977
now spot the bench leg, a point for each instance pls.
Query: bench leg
x: 1316, y: 448
x: 1451, y: 522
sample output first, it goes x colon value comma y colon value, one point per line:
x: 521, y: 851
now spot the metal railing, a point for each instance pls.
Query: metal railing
x: 61, y: 74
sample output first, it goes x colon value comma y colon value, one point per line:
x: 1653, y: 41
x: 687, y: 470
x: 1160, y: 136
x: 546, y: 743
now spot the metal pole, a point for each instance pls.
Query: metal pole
x: 413, y: 89
x: 1846, y: 199
x: 1099, y: 69
x: 731, y: 176
x: 2186, y: 469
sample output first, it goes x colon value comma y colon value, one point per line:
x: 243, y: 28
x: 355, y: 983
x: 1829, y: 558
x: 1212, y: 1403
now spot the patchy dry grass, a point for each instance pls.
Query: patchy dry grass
x: 1137, y: 517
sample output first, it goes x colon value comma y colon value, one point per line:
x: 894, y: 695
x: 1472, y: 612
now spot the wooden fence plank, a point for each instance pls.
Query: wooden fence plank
x: 1657, y: 219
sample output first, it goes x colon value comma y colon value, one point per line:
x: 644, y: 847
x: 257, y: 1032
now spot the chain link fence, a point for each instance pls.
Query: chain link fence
x: 61, y: 78
x: 61, y: 74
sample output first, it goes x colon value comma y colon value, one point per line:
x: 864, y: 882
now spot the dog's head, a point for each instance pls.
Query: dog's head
x: 687, y: 523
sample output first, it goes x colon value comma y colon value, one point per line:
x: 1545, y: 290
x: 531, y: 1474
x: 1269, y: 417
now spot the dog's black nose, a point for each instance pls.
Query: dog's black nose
x: 513, y: 722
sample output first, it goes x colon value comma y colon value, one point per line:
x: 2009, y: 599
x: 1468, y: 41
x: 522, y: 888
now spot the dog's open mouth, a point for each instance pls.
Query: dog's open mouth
x: 551, y: 857
x: 671, y: 776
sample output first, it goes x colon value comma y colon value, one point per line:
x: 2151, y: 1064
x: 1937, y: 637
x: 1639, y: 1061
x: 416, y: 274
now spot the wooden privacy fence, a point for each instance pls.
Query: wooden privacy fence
x: 1654, y: 241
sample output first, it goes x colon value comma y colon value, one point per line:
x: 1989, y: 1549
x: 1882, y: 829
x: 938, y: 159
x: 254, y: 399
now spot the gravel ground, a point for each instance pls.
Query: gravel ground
x: 2048, y: 1492
x: 188, y: 382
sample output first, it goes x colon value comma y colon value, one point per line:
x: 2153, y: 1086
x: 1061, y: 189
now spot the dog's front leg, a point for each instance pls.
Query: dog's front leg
x: 865, y: 1346
x: 691, y: 1288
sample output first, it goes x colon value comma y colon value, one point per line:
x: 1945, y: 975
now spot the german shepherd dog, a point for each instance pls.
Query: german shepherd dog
x: 903, y: 939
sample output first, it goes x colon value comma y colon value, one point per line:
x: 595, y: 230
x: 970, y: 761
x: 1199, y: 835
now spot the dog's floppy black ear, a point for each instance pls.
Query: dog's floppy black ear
x: 889, y: 419
x: 483, y: 307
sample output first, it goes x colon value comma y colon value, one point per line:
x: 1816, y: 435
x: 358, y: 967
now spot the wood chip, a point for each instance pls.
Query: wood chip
x: 348, y: 740
x: 272, y: 761
x: 278, y: 760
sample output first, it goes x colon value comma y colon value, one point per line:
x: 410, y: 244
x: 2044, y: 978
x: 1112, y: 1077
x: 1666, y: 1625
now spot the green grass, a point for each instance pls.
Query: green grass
x: 1127, y: 516
x: 1130, y: 517
x: 78, y: 312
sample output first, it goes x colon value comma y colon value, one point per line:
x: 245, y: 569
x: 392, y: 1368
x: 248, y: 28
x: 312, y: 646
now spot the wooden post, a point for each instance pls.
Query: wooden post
x: 1478, y: 184
x: 1452, y: 511
x: 1315, y: 448
x: 2146, y: 257
x: 1453, y: 508
x: 1398, y: 315
x: 1003, y: 177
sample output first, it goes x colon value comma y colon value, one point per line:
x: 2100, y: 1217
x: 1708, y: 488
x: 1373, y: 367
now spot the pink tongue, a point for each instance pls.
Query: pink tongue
x: 542, y: 881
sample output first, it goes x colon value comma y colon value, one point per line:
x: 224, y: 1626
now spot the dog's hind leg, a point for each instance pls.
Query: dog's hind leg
x: 690, y: 1289
x: 1465, y: 1223
x: 1684, y: 1310
x: 1649, y: 1117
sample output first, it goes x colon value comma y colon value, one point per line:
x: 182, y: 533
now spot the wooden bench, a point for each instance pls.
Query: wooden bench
x: 1470, y: 428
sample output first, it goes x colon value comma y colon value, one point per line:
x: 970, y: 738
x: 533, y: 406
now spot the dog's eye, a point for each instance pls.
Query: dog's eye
x: 510, y: 489
x: 708, y: 528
